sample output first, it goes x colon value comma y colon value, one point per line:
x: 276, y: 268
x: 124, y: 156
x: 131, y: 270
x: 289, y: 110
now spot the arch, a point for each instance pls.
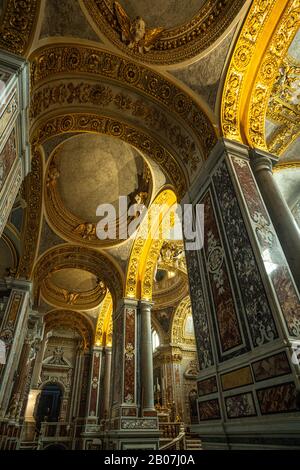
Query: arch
x: 145, y: 251
x: 270, y: 63
x: 73, y: 256
x: 247, y: 59
x: 178, y: 323
x: 71, y: 319
x: 103, y: 334
x: 165, y: 112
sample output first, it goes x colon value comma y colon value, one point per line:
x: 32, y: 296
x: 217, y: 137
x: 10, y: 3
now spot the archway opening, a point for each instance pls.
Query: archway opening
x: 49, y: 404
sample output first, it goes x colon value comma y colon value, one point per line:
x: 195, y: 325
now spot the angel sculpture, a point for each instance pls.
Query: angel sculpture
x: 134, y: 33
x: 53, y: 175
x: 86, y: 231
x: 70, y: 297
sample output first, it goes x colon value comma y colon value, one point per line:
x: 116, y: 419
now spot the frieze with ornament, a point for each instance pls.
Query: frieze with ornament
x: 107, y: 98
x: 17, y: 25
x: 50, y: 61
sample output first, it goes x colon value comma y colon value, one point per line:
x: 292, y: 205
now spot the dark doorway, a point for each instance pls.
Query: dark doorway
x: 49, y: 404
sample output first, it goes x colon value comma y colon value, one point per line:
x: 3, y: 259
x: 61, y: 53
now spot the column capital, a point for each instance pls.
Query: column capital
x: 146, y: 304
x: 19, y: 284
x: 262, y: 160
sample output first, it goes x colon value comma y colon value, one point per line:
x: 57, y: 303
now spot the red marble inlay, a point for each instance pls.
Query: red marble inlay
x: 95, y: 384
x: 228, y: 325
x: 280, y: 276
x: 129, y: 353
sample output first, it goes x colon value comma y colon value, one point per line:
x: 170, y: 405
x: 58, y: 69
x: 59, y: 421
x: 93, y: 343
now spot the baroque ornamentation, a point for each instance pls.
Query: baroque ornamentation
x: 104, y: 125
x: 170, y: 45
x: 134, y: 33
x: 17, y: 25
x: 32, y: 189
x: 72, y: 319
x: 284, y: 107
x: 258, y: 311
x: 144, y: 255
x: 104, y: 315
x: 69, y: 256
x: 50, y: 62
x: 255, y: 34
x: 270, y: 70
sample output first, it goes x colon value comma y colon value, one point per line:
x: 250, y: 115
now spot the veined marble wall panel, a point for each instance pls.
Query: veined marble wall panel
x: 256, y: 305
x: 271, y: 252
x: 260, y: 378
x: 7, y: 158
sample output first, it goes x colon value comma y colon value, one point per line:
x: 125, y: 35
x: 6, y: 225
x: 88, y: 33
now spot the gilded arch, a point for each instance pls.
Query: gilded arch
x: 246, y: 60
x: 145, y: 252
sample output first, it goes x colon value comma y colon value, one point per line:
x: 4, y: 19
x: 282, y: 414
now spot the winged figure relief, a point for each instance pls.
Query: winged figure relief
x: 86, y: 231
x: 134, y: 33
x: 70, y: 297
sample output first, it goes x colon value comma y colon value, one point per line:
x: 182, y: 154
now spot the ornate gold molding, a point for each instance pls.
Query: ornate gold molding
x: 17, y: 26
x: 71, y: 319
x: 145, y: 252
x: 104, y: 321
x: 71, y: 227
x: 285, y: 166
x: 54, y: 62
x: 268, y: 71
x: 84, y: 122
x: 176, y: 44
x: 32, y: 193
x: 246, y: 58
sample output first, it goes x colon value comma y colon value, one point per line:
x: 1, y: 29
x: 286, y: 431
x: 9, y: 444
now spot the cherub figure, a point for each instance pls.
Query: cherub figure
x: 87, y: 231
x: 134, y: 33
x: 53, y: 175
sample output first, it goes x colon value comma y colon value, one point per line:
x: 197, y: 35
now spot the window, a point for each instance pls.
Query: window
x: 155, y: 340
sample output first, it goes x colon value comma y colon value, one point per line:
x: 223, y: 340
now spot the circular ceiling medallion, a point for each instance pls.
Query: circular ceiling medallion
x: 89, y: 171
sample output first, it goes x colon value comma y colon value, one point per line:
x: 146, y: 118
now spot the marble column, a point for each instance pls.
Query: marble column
x: 284, y: 223
x: 146, y: 358
x: 246, y: 311
x: 125, y: 396
x: 94, y: 384
x: 107, y: 381
x: 133, y: 418
x: 76, y: 386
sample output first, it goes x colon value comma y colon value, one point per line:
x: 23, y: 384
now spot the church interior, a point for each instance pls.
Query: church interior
x: 146, y: 341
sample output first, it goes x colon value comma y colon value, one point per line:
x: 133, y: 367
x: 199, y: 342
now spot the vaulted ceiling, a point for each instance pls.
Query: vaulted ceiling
x: 114, y: 113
